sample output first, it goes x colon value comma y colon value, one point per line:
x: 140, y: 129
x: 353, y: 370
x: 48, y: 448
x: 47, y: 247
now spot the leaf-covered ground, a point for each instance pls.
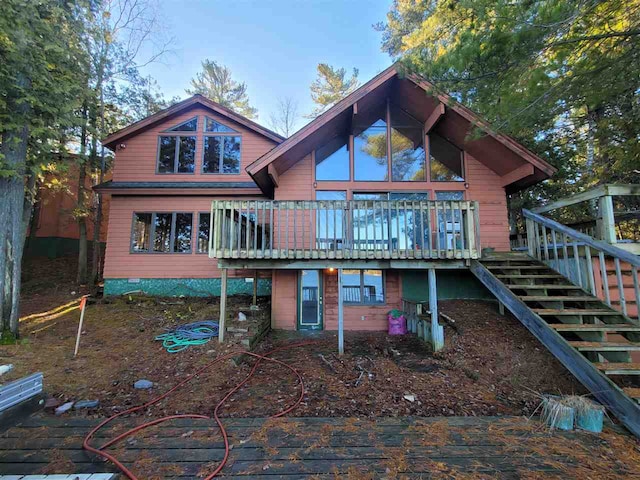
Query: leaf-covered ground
x: 491, y: 364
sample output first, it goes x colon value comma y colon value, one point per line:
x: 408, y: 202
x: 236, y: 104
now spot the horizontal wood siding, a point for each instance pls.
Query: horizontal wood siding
x: 485, y: 186
x: 137, y: 161
x: 284, y: 287
x: 120, y: 263
x: 296, y: 184
x: 375, y: 316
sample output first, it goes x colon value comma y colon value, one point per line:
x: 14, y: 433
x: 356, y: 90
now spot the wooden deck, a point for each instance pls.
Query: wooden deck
x: 316, y: 448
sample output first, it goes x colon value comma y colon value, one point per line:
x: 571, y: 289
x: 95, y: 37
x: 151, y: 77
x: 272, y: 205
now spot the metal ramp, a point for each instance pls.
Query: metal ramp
x: 591, y: 339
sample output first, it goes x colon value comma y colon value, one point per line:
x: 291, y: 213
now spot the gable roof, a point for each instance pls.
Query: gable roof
x: 179, y: 107
x: 296, y: 146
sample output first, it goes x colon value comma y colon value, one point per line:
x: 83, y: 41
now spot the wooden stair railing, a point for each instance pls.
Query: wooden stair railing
x: 591, y: 339
x: 600, y: 268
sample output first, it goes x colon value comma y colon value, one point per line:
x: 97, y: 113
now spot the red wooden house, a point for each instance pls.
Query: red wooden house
x: 387, y: 200
x: 382, y: 188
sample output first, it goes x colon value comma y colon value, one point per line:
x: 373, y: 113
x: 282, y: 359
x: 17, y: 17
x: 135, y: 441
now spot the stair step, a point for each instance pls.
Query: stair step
x: 545, y: 286
x: 632, y: 392
x: 574, y: 311
x: 557, y: 298
x: 595, y: 327
x: 611, y: 368
x: 517, y: 267
x: 547, y: 275
x: 605, y: 346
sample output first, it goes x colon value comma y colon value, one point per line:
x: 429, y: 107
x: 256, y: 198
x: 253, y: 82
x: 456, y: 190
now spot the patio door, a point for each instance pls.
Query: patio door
x: 310, y: 300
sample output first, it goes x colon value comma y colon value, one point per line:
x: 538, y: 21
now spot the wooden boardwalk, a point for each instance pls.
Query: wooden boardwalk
x: 316, y: 448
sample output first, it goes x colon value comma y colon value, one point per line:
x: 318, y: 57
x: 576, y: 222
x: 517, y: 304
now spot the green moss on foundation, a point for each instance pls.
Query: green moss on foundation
x: 188, y: 287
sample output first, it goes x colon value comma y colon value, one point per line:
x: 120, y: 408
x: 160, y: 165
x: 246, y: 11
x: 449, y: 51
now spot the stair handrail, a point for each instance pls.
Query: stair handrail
x: 586, y: 280
x: 584, y: 238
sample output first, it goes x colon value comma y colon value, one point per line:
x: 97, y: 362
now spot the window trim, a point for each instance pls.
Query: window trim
x: 152, y: 234
x: 206, y: 252
x: 217, y: 134
x: 206, y: 132
x: 369, y: 304
x: 177, y: 154
x: 196, y: 118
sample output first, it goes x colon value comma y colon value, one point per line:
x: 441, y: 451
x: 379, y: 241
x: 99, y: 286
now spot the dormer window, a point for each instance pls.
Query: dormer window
x: 177, y: 148
x: 221, y: 147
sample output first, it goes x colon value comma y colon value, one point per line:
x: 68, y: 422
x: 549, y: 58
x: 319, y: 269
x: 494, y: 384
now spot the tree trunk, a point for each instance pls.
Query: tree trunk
x: 33, y: 220
x: 82, y: 225
x: 81, y: 206
x: 14, y: 149
x: 95, y: 263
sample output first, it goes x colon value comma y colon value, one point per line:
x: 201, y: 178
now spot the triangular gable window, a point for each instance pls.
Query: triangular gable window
x: 212, y: 126
x: 188, y: 126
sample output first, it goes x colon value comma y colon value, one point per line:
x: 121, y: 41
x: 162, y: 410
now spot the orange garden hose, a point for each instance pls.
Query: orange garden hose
x: 260, y: 358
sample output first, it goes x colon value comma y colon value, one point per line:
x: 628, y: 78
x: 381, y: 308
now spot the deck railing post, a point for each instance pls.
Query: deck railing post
x: 530, y: 237
x: 606, y: 219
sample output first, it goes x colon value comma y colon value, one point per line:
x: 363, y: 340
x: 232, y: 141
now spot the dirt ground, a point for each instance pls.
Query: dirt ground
x: 491, y: 364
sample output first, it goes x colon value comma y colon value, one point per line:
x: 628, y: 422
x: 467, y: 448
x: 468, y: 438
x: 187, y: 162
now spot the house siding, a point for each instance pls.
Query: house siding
x: 120, y: 263
x: 137, y: 161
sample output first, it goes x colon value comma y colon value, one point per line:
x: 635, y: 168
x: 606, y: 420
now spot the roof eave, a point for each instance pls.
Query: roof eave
x: 126, y: 132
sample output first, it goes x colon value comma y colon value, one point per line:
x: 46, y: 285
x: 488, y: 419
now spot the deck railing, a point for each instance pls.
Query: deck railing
x: 335, y: 229
x: 598, y: 267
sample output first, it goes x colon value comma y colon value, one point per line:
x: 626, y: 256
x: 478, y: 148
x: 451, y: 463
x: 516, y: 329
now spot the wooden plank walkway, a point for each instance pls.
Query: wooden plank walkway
x: 314, y: 448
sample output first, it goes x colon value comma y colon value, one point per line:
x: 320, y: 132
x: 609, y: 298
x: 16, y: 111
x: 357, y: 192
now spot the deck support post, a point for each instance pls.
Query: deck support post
x: 255, y: 288
x: 340, y: 315
x: 501, y: 308
x: 223, y: 305
x: 437, y: 331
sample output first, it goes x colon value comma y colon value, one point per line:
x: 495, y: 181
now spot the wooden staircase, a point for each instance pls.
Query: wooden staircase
x: 591, y: 339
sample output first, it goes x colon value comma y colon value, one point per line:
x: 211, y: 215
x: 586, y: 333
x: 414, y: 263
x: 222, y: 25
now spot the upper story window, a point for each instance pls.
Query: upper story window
x: 408, y: 158
x: 385, y: 144
x: 370, y: 160
x: 332, y: 159
x: 177, y: 149
x: 221, y: 147
x: 445, y: 159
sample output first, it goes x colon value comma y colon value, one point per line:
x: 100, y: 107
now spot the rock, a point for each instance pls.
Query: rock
x: 87, y: 404
x: 254, y: 308
x: 409, y: 397
x: 237, y: 330
x: 5, y: 368
x: 51, y: 403
x: 242, y: 317
x: 65, y: 407
x: 143, y: 384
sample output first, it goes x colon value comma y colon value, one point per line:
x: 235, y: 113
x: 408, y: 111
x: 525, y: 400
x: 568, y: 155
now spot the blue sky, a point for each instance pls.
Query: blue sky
x: 271, y: 45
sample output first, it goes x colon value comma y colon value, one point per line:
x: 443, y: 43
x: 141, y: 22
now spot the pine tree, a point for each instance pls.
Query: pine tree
x: 561, y: 76
x: 330, y: 87
x: 216, y: 83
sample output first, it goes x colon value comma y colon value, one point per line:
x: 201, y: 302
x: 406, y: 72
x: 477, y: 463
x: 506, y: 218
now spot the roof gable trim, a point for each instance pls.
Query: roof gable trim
x: 197, y: 99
